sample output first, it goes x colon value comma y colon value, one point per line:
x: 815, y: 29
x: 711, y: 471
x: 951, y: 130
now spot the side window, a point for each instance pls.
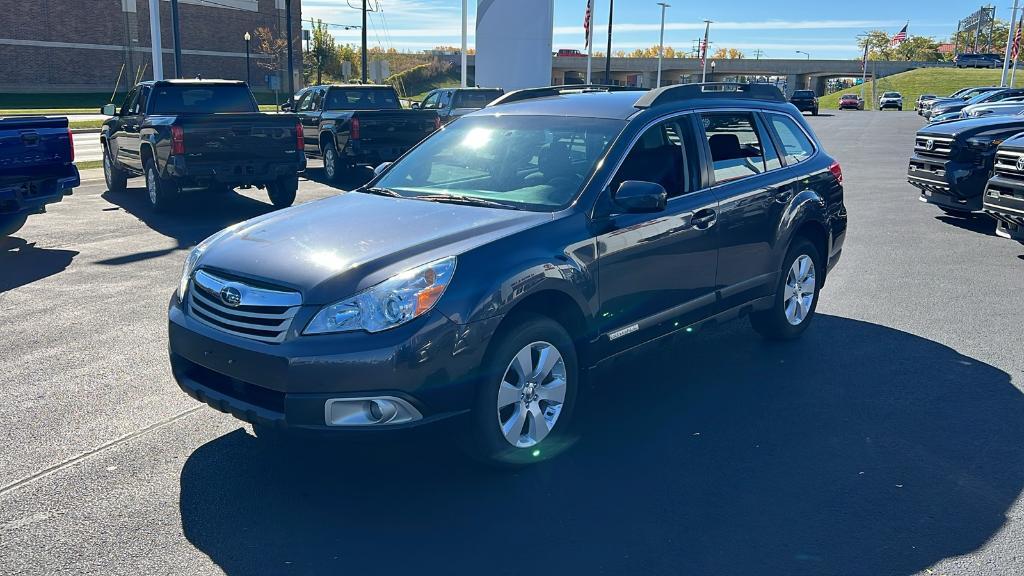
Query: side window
x: 129, y: 101
x: 660, y: 156
x: 796, y: 147
x: 140, y: 105
x: 446, y: 99
x: 317, y: 99
x: 736, y: 148
x: 305, y: 100
x: 771, y: 155
x: 432, y: 100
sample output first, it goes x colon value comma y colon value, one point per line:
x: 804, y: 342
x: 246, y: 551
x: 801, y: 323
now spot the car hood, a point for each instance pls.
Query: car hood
x: 969, y: 127
x: 332, y: 248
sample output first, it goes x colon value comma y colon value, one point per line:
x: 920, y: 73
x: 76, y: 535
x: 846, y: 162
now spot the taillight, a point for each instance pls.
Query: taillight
x: 836, y: 171
x: 177, y: 141
x: 300, y: 137
x: 437, y: 122
x: 71, y: 144
x: 354, y: 130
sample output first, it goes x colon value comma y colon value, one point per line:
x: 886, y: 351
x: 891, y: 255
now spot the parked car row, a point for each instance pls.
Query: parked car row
x: 974, y: 164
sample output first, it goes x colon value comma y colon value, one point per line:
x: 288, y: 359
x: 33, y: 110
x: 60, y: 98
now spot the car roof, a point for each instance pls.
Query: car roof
x: 609, y: 105
x: 195, y: 82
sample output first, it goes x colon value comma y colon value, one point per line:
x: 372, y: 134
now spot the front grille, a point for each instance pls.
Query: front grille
x: 1009, y: 164
x: 933, y: 146
x: 261, y: 314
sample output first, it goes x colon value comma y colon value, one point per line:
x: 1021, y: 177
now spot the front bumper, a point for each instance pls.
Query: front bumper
x: 1004, y: 201
x: 890, y: 104
x: 29, y: 196
x: 948, y: 183
x: 241, y: 172
x: 431, y: 363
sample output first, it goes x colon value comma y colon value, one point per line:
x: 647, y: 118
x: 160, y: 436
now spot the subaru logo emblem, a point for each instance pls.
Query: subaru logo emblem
x: 230, y: 296
x: 1020, y: 164
x: 929, y: 144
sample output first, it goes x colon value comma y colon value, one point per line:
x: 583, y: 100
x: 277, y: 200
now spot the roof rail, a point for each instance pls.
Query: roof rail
x: 731, y: 90
x: 546, y: 91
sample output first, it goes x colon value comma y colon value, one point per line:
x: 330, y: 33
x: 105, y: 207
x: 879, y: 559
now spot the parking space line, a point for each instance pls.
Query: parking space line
x: 90, y: 453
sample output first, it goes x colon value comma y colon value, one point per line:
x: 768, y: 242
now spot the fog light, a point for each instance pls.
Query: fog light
x: 369, y: 411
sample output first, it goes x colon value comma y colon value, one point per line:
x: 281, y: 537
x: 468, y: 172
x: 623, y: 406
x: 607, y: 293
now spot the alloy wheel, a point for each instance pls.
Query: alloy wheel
x: 151, y: 186
x: 330, y: 160
x: 531, y: 394
x: 800, y: 284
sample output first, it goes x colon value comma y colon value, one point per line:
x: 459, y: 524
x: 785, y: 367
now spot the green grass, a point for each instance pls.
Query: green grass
x: 941, y: 81
x: 84, y: 124
x: 89, y: 165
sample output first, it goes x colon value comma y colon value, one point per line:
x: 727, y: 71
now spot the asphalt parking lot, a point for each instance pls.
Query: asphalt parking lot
x: 889, y: 440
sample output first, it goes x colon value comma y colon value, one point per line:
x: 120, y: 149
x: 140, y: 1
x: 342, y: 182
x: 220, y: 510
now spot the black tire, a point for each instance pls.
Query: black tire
x: 116, y: 178
x: 332, y: 162
x: 162, y: 192
x: 11, y: 223
x: 485, y: 440
x: 282, y: 191
x: 814, y: 112
x: 773, y: 323
x: 899, y: 108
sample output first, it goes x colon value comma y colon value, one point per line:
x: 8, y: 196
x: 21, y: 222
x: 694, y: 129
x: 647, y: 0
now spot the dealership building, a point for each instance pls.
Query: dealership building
x: 103, y: 45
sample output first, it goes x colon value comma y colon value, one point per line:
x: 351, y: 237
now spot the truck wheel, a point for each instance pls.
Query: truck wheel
x: 814, y: 112
x: 796, y: 296
x: 331, y: 165
x: 117, y: 179
x: 526, y: 396
x: 11, y: 223
x: 282, y: 191
x: 161, y: 191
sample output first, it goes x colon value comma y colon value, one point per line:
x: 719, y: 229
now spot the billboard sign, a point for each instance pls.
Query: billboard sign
x: 513, y: 43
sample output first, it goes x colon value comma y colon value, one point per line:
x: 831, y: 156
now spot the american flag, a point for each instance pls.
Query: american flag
x: 1016, y: 40
x: 586, y: 23
x: 900, y: 36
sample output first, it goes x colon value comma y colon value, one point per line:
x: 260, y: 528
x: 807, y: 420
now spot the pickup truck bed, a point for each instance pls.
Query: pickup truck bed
x: 36, y: 167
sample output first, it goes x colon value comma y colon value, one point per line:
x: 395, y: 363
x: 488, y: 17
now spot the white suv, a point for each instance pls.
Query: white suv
x: 891, y: 100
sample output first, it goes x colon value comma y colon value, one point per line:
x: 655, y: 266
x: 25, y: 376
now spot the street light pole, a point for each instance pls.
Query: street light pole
x: 176, y: 35
x: 1009, y: 40
x: 661, y: 41
x: 247, y: 37
x: 465, y: 33
x: 804, y: 53
x: 608, y: 56
x: 365, y: 65
x: 291, y: 57
x: 154, y: 39
x: 704, y: 52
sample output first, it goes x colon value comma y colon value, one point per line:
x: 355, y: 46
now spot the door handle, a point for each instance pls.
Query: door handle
x: 782, y: 195
x: 704, y: 219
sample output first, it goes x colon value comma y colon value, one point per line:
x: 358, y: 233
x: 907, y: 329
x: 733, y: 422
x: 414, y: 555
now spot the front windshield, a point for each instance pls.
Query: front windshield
x: 985, y: 97
x: 531, y: 162
x: 891, y: 95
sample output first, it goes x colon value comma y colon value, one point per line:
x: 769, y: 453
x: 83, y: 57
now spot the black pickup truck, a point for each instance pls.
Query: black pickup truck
x: 1004, y: 196
x: 185, y: 135
x: 348, y: 125
x: 952, y: 160
x: 37, y: 168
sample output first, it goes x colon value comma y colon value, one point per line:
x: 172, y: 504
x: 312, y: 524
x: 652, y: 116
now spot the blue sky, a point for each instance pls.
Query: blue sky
x: 825, y: 29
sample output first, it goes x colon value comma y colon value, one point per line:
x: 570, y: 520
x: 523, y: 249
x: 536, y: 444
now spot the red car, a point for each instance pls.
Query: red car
x: 851, y: 101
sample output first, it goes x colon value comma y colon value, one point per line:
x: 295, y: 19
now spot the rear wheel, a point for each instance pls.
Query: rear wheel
x: 526, y: 396
x: 814, y: 112
x: 331, y: 162
x: 161, y: 191
x: 282, y: 191
x: 796, y: 297
x: 11, y: 223
x: 116, y: 179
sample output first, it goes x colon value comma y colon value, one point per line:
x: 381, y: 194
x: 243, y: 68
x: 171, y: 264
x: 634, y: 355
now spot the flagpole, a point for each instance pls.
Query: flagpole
x: 1016, y: 49
x: 590, y: 39
x: 704, y: 53
x: 1011, y: 34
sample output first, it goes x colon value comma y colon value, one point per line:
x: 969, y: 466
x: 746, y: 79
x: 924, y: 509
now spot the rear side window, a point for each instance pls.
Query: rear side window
x: 796, y: 147
x: 736, y: 148
x: 475, y: 98
x: 361, y: 99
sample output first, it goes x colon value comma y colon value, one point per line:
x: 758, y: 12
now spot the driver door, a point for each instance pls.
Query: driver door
x: 656, y: 272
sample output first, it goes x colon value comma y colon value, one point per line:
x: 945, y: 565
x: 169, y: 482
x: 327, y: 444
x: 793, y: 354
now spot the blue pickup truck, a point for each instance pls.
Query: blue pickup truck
x: 37, y: 167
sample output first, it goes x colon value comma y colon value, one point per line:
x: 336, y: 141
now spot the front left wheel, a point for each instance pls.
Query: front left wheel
x: 527, y: 394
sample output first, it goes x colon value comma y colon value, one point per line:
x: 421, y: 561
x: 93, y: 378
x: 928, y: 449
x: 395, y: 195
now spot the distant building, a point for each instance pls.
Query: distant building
x: 83, y: 45
x: 946, y: 48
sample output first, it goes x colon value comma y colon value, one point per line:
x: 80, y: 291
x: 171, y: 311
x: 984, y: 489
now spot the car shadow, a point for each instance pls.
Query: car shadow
x: 191, y: 219
x: 347, y: 180
x: 979, y: 223
x: 858, y: 449
x: 22, y: 263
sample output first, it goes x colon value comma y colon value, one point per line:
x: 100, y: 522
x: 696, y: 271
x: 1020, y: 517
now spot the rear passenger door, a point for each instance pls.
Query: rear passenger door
x: 746, y: 172
x: 308, y: 109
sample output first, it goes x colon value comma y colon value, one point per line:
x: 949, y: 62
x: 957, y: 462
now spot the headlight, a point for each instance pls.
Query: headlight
x: 391, y: 303
x: 186, y: 271
x: 983, y: 144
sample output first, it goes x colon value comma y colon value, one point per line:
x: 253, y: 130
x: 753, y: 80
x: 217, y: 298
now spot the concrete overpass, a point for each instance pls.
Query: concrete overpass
x: 799, y: 73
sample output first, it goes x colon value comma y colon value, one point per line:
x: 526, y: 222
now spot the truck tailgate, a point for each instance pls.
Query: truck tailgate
x: 395, y: 127
x: 248, y: 136
x: 31, y: 146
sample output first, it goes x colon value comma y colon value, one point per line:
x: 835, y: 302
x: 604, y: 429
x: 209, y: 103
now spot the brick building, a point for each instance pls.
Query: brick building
x: 82, y: 45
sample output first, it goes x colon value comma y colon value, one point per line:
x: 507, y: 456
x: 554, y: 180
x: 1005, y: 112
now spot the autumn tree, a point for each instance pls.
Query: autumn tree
x: 652, y: 52
x: 322, y: 49
x: 728, y: 54
x: 274, y: 48
x: 920, y: 48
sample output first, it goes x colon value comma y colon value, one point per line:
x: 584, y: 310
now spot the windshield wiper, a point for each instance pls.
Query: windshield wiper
x: 466, y: 200
x: 383, y: 192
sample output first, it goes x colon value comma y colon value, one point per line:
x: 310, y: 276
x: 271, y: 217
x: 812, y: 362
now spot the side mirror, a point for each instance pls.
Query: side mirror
x: 414, y: 105
x: 109, y: 110
x: 286, y: 107
x: 638, y: 197
x: 381, y: 167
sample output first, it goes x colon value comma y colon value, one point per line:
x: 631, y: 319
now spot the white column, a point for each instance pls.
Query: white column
x: 154, y: 39
x: 465, y: 33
